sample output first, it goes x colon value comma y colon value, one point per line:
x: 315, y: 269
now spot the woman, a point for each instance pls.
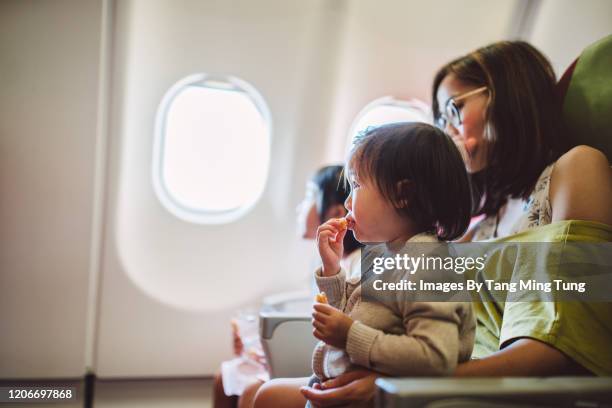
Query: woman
x: 324, y: 199
x: 499, y: 105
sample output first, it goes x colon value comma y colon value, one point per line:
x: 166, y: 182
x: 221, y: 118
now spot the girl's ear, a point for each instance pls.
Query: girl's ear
x: 404, y: 192
x: 335, y: 211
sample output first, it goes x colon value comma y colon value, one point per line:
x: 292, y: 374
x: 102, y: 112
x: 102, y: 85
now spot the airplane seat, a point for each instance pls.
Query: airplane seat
x: 586, y: 93
x: 286, y: 333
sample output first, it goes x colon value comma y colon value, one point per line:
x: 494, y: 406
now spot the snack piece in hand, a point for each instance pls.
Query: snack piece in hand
x: 321, y: 298
x: 343, y: 223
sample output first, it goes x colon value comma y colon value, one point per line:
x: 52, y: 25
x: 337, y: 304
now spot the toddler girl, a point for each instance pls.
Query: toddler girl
x: 409, y: 185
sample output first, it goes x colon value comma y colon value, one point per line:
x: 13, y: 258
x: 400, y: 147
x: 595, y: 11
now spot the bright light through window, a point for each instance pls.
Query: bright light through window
x: 213, y: 149
x: 388, y: 110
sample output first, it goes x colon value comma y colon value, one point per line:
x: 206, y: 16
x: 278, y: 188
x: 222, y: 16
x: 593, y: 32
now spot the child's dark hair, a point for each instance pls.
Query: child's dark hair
x: 418, y: 168
x: 332, y: 191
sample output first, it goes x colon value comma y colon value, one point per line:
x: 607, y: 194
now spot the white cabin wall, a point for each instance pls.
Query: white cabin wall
x: 48, y: 116
x: 563, y: 28
x: 394, y: 47
x: 170, y: 287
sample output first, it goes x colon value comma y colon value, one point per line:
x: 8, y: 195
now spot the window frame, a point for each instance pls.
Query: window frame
x: 166, y: 198
x: 412, y: 104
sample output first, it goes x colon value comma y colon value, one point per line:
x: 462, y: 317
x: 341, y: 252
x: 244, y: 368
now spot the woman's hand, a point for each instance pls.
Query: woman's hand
x: 330, y: 236
x: 354, y: 386
x: 330, y: 325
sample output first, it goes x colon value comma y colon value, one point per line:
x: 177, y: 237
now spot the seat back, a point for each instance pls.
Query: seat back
x: 586, y: 89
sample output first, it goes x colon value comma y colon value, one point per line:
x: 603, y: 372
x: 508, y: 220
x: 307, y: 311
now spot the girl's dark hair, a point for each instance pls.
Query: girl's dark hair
x: 418, y: 168
x: 522, y: 119
x: 333, y: 191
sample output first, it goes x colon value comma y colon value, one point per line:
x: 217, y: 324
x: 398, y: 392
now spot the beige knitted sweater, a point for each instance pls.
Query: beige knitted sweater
x: 399, y: 338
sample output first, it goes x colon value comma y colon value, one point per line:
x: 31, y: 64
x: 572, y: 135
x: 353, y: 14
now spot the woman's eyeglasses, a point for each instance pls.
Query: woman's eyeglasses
x: 450, y: 113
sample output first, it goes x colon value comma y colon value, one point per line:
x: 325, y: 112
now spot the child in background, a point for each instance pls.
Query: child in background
x: 324, y: 199
x: 409, y: 185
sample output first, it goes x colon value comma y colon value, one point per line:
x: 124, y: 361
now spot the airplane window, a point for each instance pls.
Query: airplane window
x: 389, y: 110
x: 212, y: 149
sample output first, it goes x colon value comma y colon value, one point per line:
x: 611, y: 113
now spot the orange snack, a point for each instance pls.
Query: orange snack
x: 343, y: 223
x: 321, y: 298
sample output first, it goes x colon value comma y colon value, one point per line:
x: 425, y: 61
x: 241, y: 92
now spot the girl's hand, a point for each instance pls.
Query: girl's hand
x: 330, y: 236
x: 347, y: 388
x: 330, y: 325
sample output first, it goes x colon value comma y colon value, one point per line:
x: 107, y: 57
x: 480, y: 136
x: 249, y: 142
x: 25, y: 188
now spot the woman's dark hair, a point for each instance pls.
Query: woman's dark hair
x: 418, y: 168
x: 333, y: 191
x: 522, y: 119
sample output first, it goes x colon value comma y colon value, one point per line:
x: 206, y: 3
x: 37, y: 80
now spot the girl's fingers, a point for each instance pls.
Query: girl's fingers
x: 323, y: 308
x: 331, y: 232
x: 326, y: 234
x: 317, y: 333
x: 324, y: 238
x: 320, y: 317
x: 318, y: 325
x: 328, y: 227
x: 340, y: 236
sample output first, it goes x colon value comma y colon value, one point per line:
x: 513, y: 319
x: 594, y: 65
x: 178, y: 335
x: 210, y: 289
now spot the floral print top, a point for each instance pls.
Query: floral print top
x: 523, y: 214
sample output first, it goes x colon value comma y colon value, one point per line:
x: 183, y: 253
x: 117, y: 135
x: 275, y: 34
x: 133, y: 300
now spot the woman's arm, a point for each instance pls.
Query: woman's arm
x: 523, y: 358
x: 581, y: 186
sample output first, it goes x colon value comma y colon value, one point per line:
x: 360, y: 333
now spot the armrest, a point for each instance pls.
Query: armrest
x: 519, y: 392
x: 269, y: 321
x: 288, y: 342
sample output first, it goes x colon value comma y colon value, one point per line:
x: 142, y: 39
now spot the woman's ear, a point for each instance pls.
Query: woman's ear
x: 335, y: 211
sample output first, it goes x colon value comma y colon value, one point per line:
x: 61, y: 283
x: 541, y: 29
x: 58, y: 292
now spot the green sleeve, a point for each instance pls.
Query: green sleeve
x: 582, y: 331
